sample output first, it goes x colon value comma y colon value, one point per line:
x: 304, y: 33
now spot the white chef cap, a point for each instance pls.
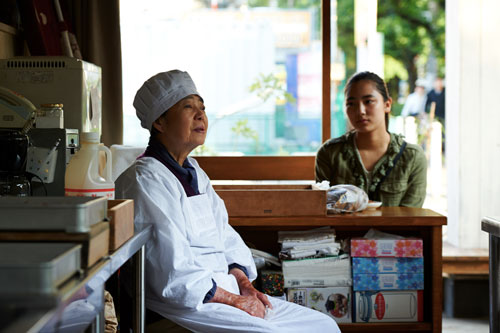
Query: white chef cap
x: 160, y: 93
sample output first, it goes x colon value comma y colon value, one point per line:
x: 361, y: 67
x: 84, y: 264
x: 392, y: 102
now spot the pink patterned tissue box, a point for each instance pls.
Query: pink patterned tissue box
x: 409, y: 247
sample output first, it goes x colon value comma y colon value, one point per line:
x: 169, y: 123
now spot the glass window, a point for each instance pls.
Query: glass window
x: 257, y: 64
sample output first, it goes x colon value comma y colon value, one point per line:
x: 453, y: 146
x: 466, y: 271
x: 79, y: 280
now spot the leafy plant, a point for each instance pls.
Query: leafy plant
x: 270, y: 85
x: 242, y: 129
x: 413, y: 31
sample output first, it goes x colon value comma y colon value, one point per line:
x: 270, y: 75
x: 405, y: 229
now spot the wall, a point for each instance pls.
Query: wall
x: 10, y: 42
x: 472, y: 118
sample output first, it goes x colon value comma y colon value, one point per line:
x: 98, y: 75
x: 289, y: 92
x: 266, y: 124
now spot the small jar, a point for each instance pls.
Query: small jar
x: 50, y: 115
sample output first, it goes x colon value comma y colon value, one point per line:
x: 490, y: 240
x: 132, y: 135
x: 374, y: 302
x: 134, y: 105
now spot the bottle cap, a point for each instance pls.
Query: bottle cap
x: 51, y: 105
x: 92, y: 137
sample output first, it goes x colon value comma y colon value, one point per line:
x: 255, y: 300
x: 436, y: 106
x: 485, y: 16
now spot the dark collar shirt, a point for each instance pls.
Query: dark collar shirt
x: 186, y: 173
x: 339, y: 162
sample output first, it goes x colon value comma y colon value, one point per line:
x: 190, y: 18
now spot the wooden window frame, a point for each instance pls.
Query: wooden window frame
x: 279, y: 167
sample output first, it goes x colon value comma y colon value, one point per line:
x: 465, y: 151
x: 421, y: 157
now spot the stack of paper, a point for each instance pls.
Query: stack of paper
x: 311, y: 259
x: 315, y: 274
x: 310, y: 243
x: 318, y: 272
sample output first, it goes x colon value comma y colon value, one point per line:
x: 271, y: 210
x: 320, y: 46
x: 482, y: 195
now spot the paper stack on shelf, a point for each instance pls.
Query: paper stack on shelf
x: 309, y: 243
x: 315, y: 274
x: 318, y: 272
x: 311, y: 258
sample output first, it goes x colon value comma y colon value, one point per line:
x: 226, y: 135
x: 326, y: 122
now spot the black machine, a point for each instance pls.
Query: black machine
x: 13, y: 151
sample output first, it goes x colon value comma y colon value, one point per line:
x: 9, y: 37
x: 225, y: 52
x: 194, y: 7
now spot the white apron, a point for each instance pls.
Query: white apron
x: 193, y: 244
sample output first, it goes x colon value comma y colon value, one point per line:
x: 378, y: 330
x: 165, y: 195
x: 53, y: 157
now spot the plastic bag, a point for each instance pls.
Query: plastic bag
x: 345, y: 198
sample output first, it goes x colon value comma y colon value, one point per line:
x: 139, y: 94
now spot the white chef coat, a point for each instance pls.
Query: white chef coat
x: 193, y: 244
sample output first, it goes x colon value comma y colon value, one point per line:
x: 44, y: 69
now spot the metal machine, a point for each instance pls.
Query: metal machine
x: 33, y: 160
x: 16, y: 117
x: 49, y: 153
x: 69, y: 81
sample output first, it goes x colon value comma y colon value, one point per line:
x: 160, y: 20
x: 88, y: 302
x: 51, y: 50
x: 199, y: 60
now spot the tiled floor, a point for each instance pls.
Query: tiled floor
x: 460, y: 325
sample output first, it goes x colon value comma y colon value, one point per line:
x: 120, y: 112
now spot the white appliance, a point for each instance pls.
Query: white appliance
x: 15, y: 110
x: 72, y: 82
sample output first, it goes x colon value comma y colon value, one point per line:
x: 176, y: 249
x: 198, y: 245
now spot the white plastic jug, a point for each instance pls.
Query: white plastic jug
x: 82, y: 172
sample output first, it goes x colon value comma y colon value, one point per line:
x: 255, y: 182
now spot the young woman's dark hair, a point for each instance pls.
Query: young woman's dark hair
x: 379, y: 85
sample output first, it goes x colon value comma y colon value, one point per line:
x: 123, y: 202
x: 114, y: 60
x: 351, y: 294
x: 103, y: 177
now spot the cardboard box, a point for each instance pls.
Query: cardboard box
x: 388, y: 281
x: 362, y: 265
x: 408, y: 247
x: 388, y: 306
x: 121, y: 222
x: 333, y: 301
x: 272, y: 200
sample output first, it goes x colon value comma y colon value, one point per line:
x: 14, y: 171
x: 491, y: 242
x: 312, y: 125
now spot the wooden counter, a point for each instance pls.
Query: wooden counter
x: 261, y: 233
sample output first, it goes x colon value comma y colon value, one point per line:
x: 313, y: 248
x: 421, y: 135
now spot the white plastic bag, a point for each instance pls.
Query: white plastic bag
x: 345, y: 198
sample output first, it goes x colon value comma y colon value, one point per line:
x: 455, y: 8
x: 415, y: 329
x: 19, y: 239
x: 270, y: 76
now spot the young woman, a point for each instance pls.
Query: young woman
x: 381, y: 163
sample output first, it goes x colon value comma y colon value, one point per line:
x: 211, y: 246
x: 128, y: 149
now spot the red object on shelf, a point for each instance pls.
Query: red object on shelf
x: 41, y: 27
x: 379, y: 306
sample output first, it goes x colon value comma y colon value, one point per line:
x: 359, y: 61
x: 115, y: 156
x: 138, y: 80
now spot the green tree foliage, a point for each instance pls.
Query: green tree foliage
x: 270, y: 85
x: 412, y: 30
x: 242, y: 129
x: 345, y: 33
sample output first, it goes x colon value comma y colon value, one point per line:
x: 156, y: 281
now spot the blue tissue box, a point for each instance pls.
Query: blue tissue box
x: 387, y: 265
x: 388, y: 281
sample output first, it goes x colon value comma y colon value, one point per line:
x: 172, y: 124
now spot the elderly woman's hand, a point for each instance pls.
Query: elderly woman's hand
x: 247, y: 289
x: 250, y: 304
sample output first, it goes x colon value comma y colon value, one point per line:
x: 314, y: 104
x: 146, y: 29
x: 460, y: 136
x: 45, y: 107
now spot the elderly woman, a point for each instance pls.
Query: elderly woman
x: 198, y: 269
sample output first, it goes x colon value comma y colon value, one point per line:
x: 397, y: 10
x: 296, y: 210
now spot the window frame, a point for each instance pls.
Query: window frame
x: 280, y: 167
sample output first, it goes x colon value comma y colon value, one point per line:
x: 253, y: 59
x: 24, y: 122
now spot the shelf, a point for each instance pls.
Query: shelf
x: 386, y: 327
x: 460, y: 261
x: 262, y: 233
x: 382, y: 217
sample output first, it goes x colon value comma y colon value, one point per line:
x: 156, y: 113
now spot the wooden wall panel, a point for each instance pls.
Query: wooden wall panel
x: 258, y: 167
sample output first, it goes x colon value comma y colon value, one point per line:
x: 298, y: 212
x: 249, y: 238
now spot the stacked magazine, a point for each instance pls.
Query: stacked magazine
x: 312, y: 258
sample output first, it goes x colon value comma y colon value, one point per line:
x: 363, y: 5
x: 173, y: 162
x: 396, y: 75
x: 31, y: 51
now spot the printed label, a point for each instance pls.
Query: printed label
x: 105, y: 192
x: 35, y: 77
x: 385, y: 247
x: 299, y: 297
x: 379, y: 306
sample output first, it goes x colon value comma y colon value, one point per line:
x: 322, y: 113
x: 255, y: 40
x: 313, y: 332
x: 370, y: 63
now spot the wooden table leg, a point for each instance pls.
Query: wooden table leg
x: 139, y: 307
x: 437, y: 278
x: 494, y: 284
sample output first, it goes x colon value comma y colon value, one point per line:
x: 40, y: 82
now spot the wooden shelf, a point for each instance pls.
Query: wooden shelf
x: 387, y: 327
x: 262, y: 232
x: 381, y: 217
x: 458, y: 261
